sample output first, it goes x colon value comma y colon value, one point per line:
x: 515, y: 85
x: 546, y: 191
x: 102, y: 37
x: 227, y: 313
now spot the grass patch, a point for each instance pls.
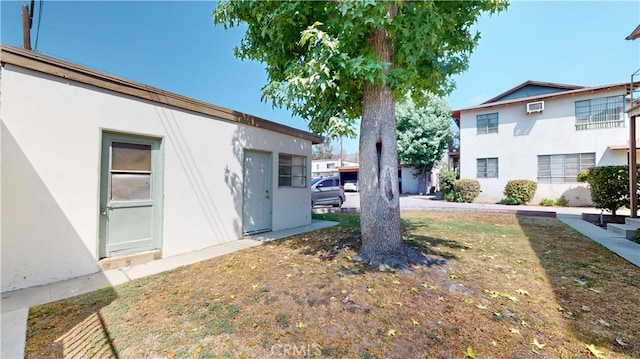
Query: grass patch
x: 514, y: 286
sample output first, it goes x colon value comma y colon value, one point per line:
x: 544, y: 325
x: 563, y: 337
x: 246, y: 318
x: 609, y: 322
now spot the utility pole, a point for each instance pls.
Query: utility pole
x: 27, y: 21
x: 341, y: 153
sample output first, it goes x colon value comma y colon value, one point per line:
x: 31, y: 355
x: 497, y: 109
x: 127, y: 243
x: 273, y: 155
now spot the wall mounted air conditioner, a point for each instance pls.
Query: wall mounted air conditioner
x: 537, y: 106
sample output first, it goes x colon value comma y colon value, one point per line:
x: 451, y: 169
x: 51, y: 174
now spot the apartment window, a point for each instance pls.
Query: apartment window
x: 292, y: 171
x: 604, y: 112
x: 487, y: 168
x: 487, y: 123
x: 563, y: 168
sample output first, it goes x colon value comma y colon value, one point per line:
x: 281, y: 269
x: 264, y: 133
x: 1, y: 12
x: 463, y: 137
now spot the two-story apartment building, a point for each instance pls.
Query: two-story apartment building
x: 544, y: 132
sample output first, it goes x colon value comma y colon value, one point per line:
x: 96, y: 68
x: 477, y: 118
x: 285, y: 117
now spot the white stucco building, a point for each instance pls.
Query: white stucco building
x: 544, y: 132
x: 94, y: 166
x: 324, y: 168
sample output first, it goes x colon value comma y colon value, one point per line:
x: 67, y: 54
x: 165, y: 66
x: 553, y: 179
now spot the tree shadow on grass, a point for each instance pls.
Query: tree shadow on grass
x: 71, y: 328
x: 427, y: 244
x: 598, y: 291
x: 329, y: 242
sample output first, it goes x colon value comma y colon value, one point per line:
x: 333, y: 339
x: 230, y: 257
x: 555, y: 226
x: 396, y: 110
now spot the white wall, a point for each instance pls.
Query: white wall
x: 409, y: 182
x: 51, y: 143
x: 521, y: 138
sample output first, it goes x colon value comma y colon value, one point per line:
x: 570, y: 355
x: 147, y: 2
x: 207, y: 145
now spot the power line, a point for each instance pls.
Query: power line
x: 40, y: 6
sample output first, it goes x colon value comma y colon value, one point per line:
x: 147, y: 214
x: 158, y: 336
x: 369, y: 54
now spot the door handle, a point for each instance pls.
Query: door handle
x: 267, y: 195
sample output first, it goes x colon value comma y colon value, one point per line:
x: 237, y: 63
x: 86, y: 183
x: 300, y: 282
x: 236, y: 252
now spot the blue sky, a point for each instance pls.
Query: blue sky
x: 174, y: 46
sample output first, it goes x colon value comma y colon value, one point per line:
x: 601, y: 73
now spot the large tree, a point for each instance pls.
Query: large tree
x: 423, y: 134
x: 322, y: 151
x: 352, y: 59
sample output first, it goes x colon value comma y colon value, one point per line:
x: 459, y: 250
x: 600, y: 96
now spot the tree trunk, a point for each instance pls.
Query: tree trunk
x: 422, y: 181
x: 382, y: 243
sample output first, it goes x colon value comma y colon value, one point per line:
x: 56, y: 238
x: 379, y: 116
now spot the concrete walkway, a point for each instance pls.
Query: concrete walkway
x: 15, y: 304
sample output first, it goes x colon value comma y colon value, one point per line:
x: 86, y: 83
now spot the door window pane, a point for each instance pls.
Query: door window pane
x: 130, y: 157
x: 130, y: 186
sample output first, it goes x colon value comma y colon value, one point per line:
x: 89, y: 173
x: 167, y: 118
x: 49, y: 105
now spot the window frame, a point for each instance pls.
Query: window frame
x: 569, y: 169
x: 608, y: 113
x: 487, y: 128
x: 292, y: 173
x: 486, y: 172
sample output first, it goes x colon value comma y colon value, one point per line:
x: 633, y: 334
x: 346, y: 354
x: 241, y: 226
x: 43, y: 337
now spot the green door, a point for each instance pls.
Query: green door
x: 130, y: 195
x: 256, y: 216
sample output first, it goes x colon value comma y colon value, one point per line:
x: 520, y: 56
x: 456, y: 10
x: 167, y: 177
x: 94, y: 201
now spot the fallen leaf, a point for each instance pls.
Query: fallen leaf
x: 254, y: 287
x: 525, y: 324
x: 399, y: 304
x: 481, y: 306
x: 396, y: 282
x: 414, y: 289
x: 391, y: 333
x: 467, y: 300
x: 597, y: 353
x: 440, y: 298
x: 415, y: 322
x: 537, y: 344
x: 585, y: 308
x: 580, y: 283
x: 515, y: 331
x: 232, y: 296
x: 604, y: 322
x: 522, y: 291
x: 619, y: 341
x: 301, y: 325
x: 595, y: 290
x: 469, y: 353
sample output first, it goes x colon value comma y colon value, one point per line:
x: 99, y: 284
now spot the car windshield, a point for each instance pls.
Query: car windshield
x: 315, y: 180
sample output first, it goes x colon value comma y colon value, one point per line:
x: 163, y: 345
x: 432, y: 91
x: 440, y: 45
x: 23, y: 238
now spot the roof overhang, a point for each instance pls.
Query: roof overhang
x: 51, y: 66
x: 624, y: 86
x: 622, y: 146
x: 634, y: 34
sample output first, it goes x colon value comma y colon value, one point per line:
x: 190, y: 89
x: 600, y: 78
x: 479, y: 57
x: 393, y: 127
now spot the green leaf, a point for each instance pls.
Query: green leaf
x: 469, y: 353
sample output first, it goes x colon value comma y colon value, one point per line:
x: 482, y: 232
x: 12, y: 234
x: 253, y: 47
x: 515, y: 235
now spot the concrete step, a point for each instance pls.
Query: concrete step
x: 634, y: 222
x: 624, y: 230
x: 129, y: 260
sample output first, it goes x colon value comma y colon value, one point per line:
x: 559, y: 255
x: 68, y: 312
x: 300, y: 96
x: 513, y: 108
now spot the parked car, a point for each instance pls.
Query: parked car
x: 327, y: 191
x: 351, y: 186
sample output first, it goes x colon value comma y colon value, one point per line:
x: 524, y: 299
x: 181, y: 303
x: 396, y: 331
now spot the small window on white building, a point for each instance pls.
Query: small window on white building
x: 292, y: 171
x: 563, y: 168
x: 487, y: 167
x: 487, y: 123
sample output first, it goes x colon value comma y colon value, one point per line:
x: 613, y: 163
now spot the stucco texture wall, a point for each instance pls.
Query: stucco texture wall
x: 522, y: 137
x: 50, y: 181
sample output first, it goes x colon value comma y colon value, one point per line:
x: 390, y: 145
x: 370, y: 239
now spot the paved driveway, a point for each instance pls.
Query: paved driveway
x: 411, y: 202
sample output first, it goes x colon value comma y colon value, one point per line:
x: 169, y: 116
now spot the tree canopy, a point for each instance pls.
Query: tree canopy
x: 423, y: 134
x: 318, y: 55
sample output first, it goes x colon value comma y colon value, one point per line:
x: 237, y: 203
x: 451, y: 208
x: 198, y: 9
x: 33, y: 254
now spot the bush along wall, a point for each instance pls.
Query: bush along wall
x: 609, y: 186
x: 447, y: 180
x: 519, y: 191
x: 466, y: 190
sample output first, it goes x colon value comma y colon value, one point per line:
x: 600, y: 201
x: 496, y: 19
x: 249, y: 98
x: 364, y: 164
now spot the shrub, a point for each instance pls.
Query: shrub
x: 520, y: 191
x: 609, y: 186
x: 447, y: 180
x: 547, y: 202
x: 466, y: 190
x: 562, y: 202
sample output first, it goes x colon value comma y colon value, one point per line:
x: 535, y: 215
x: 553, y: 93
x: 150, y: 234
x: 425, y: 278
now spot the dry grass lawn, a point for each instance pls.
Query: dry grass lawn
x: 513, y: 287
